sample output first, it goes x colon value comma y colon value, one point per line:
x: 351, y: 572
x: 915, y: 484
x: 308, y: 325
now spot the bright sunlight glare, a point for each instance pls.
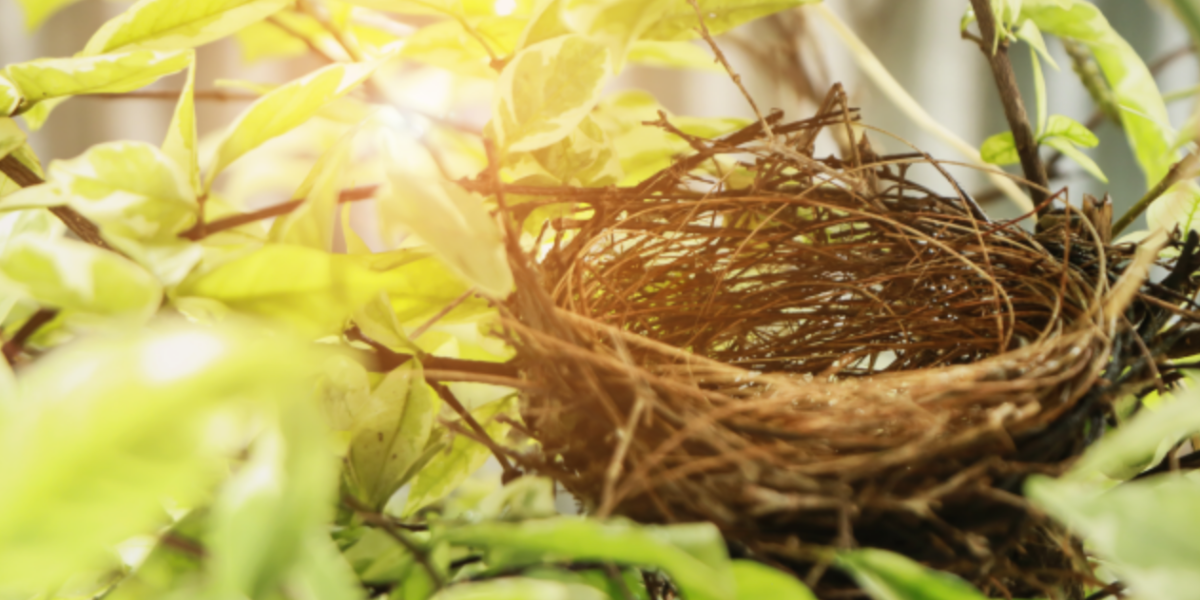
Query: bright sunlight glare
x: 180, y: 354
x: 504, y: 8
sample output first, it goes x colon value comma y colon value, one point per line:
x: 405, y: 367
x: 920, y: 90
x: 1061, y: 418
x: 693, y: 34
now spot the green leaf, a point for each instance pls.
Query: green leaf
x: 450, y: 46
x: 1143, y: 112
x: 171, y: 25
x: 322, y: 572
x: 86, y: 282
x: 756, y: 580
x: 133, y: 420
x: 180, y: 143
x: 11, y: 136
x: 673, y: 55
x: 393, y: 430
x: 37, y: 11
x: 618, y: 23
x: 545, y: 23
x: 547, y: 89
x: 1000, y: 149
x: 311, y: 224
x: 1069, y: 129
x: 311, y: 290
x: 576, y: 539
x: 1147, y: 532
x: 281, y: 497
x: 10, y: 96
x: 131, y: 189
x: 450, y: 220
x: 464, y: 456
x: 520, y: 588
x: 889, y: 576
x: 1075, y: 154
x: 284, y: 108
x: 680, y: 22
x: 1141, y: 443
x: 1030, y: 34
x: 47, y: 78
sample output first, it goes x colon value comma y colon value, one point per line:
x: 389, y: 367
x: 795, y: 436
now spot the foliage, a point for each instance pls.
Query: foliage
x: 210, y: 419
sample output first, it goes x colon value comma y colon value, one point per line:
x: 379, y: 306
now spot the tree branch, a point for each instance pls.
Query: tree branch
x: 13, y: 347
x: 201, y: 231
x: 1014, y: 108
x: 77, y: 223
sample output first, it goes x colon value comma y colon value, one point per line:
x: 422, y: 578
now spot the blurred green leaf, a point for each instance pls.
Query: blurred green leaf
x: 46, y: 78
x: 10, y: 96
x: 1000, y: 149
x: 756, y: 580
x: 131, y: 419
x: 545, y: 23
x: 618, y: 23
x: 446, y: 470
x: 1147, y: 531
x: 450, y: 220
x: 90, y: 285
x: 889, y: 576
x: 449, y: 45
x: 392, y: 431
x: 680, y: 22
x: 547, y: 89
x: 520, y: 588
x: 673, y: 55
x: 181, y: 139
x: 1142, y: 442
x: 309, y: 289
x: 284, y: 108
x: 171, y: 25
x: 311, y: 224
x: 1070, y: 130
x: 11, y: 136
x: 575, y: 539
x: 1076, y: 155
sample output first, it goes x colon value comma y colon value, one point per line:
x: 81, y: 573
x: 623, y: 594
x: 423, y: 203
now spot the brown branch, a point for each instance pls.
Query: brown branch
x: 383, y: 522
x: 1014, y: 108
x: 201, y: 231
x: 449, y: 398
x: 16, y: 345
x: 737, y: 79
x: 77, y: 223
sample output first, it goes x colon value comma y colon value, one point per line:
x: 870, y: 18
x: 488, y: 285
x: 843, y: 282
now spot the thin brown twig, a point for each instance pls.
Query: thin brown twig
x: 198, y: 232
x: 737, y: 79
x: 14, y: 347
x: 1010, y: 98
x: 1184, y: 169
x: 449, y: 398
x: 383, y: 522
x: 83, y: 228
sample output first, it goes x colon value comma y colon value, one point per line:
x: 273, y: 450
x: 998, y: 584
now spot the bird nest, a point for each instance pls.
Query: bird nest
x: 818, y: 353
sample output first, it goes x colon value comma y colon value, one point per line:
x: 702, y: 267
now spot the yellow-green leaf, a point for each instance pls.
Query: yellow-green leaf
x: 393, y: 430
x: 311, y: 224
x: 448, y: 469
x: 545, y: 23
x: 450, y: 46
x: 180, y: 142
x: 1000, y: 149
x: 132, y: 189
x: 450, y: 220
x: 11, y: 136
x: 889, y: 576
x: 46, y: 78
x: 1069, y: 129
x: 1068, y: 149
x: 547, y: 89
x: 284, y: 108
x: 84, y: 281
x: 680, y: 22
x: 313, y: 291
x: 616, y: 22
x: 10, y: 96
x: 673, y: 55
x: 133, y: 419
x: 756, y: 580
x: 171, y: 24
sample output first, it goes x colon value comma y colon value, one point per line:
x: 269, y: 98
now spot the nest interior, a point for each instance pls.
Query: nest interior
x: 817, y: 352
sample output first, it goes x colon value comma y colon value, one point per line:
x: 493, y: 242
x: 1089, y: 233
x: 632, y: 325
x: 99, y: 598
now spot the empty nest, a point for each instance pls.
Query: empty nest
x: 818, y: 353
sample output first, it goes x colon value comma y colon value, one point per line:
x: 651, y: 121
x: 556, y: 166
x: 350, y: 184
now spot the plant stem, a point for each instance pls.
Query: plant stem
x: 1014, y: 108
x: 1184, y: 169
x: 199, y: 232
x: 14, y: 346
x: 77, y: 223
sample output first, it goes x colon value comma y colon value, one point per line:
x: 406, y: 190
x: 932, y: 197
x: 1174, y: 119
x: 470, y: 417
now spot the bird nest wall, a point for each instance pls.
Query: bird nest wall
x: 819, y: 353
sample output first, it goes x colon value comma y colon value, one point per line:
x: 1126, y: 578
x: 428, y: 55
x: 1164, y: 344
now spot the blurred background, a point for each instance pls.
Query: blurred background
x: 788, y: 61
